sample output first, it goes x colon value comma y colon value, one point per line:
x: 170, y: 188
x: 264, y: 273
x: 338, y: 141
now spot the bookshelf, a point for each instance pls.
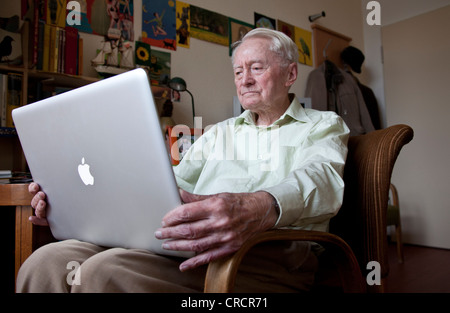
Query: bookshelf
x: 11, y: 154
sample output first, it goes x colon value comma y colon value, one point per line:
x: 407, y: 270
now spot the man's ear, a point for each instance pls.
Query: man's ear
x: 292, y: 72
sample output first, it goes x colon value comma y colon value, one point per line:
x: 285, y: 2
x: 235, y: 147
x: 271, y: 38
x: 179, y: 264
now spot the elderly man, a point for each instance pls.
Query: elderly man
x: 276, y: 165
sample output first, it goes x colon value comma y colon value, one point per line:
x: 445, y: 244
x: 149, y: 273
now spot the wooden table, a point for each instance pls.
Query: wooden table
x: 16, y: 195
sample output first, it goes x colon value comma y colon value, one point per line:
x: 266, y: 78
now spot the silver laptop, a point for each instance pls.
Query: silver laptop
x: 99, y: 154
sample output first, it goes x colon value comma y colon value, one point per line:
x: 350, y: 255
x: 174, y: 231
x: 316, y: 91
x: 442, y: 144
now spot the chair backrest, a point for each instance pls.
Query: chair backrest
x: 361, y: 222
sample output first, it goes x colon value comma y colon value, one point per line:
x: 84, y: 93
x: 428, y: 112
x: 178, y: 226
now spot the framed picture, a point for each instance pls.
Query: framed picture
x: 158, y: 23
x: 179, y: 139
x: 303, y: 40
x: 265, y: 21
x: 183, y: 24
x: 209, y: 26
x: 237, y: 29
x: 159, y: 69
x: 287, y: 29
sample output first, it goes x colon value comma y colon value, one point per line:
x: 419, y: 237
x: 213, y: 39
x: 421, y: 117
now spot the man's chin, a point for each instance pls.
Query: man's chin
x: 249, y: 102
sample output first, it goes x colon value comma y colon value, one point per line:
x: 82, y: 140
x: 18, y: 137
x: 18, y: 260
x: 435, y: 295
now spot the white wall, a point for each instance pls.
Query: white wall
x: 417, y: 93
x: 392, y: 11
x: 408, y: 92
x: 372, y: 70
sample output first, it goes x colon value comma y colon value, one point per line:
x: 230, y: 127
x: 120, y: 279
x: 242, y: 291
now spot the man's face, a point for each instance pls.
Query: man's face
x: 259, y: 77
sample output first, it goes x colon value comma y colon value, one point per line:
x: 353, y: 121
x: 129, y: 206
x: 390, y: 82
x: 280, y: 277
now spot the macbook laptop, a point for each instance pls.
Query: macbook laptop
x: 99, y: 155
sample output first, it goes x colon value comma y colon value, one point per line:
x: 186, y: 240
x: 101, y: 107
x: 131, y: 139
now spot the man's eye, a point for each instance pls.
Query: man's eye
x: 257, y: 69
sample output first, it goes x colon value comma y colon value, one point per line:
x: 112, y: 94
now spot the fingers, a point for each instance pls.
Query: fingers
x: 188, y: 197
x: 183, y: 214
x: 33, y: 188
x: 38, y: 201
x: 38, y: 221
x: 206, y: 257
x: 214, y: 226
x: 39, y: 204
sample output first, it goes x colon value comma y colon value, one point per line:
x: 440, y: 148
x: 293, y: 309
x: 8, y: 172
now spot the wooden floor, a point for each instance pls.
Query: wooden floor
x: 425, y: 270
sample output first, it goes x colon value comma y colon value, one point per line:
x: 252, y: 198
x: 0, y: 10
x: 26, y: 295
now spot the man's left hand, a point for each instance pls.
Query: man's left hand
x: 214, y: 226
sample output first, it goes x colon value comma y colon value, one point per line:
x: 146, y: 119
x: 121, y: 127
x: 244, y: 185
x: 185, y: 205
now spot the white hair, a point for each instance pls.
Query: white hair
x: 281, y: 44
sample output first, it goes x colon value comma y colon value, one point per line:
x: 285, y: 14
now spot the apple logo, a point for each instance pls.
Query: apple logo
x: 85, y: 174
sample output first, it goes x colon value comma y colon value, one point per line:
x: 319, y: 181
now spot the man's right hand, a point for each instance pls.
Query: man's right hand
x: 39, y: 204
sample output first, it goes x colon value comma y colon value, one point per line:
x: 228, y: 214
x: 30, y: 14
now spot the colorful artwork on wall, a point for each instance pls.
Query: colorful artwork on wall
x: 158, y: 23
x: 265, y: 21
x: 183, y: 24
x: 142, y: 53
x: 237, y: 30
x: 209, y: 26
x: 303, y: 40
x: 159, y: 69
x: 286, y: 28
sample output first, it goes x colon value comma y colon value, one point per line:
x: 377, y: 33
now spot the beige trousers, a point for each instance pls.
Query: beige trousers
x: 281, y: 267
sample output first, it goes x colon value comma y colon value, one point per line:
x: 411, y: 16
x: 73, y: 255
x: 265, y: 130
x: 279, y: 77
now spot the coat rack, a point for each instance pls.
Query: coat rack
x: 328, y: 44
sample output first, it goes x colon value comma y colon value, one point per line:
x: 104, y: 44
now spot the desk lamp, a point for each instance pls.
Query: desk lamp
x: 179, y: 84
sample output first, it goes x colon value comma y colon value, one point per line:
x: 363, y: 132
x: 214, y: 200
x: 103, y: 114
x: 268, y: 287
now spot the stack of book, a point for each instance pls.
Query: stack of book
x: 11, y: 177
x: 55, y: 46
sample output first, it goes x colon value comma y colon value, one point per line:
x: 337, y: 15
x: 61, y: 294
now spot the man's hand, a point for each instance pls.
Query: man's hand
x: 217, y: 225
x: 39, y: 204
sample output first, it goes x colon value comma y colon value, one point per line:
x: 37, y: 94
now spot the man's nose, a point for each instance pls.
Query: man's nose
x: 248, y: 77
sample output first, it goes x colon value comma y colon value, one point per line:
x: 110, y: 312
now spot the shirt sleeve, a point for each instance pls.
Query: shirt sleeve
x: 313, y: 191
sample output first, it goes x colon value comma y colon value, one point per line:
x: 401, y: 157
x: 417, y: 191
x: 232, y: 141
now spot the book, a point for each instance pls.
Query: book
x: 46, y: 48
x: 61, y: 52
x: 3, y: 87
x: 56, y: 13
x: 52, y: 47
x: 5, y: 173
x: 13, y: 177
x: 56, y: 52
x: 80, y: 56
x: 13, y: 96
x: 71, y: 50
x: 40, y: 46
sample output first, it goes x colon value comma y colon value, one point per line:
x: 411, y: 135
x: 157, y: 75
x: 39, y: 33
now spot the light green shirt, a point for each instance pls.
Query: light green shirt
x: 299, y: 160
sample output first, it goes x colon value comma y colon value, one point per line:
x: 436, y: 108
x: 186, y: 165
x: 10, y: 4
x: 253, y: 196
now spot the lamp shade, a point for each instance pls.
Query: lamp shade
x: 178, y: 84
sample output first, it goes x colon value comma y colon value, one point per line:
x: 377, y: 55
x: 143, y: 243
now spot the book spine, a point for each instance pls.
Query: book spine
x: 3, y: 88
x: 46, y: 48
x: 80, y: 56
x: 34, y: 35
x: 55, y: 60
x: 71, y: 51
x: 52, y: 47
x: 40, y: 47
x: 13, y: 96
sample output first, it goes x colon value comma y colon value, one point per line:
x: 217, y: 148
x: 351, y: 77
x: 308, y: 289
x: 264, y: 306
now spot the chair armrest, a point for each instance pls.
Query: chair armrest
x: 221, y: 274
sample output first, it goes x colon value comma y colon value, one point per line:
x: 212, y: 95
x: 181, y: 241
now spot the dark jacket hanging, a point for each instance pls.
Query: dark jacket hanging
x: 332, y: 89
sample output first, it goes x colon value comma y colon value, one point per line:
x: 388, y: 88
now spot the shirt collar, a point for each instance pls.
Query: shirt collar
x: 295, y: 111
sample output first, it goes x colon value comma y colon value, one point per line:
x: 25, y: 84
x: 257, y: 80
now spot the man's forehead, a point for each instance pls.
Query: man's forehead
x: 252, y: 51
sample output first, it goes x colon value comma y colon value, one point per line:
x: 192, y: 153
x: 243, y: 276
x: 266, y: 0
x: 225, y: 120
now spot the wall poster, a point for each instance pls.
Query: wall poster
x: 158, y: 23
